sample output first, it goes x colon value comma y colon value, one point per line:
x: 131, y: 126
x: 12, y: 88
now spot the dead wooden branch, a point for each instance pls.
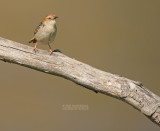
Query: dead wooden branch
x: 129, y: 91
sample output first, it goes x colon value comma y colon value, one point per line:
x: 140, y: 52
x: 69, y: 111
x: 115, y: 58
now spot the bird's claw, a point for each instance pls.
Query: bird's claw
x: 35, y: 50
x: 50, y: 51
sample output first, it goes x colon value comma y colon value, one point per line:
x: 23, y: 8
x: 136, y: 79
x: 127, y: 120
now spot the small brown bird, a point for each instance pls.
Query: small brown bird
x: 45, y: 33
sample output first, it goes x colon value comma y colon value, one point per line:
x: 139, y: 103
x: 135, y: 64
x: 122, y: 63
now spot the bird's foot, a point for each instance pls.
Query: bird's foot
x: 50, y: 51
x: 35, y: 49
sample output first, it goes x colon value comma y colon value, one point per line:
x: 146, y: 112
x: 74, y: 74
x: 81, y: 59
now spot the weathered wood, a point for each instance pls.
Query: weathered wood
x: 129, y: 91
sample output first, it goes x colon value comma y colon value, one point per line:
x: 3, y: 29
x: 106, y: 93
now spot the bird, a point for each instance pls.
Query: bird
x: 45, y: 32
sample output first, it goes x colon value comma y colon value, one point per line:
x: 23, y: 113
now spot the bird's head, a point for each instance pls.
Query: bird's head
x: 50, y: 19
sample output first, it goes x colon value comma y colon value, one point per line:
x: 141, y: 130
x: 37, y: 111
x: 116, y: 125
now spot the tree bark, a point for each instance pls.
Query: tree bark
x: 129, y: 91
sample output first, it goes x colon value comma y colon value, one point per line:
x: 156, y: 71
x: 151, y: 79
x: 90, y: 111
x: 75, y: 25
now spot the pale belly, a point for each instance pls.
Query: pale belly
x: 46, y: 35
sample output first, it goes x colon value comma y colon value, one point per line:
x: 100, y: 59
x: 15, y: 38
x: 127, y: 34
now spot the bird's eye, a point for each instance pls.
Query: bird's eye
x: 49, y: 18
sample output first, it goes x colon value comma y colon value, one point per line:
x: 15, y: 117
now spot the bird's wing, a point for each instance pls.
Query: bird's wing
x: 38, y: 27
x: 35, y: 31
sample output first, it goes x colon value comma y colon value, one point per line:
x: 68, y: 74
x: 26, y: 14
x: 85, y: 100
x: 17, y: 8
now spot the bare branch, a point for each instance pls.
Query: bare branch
x: 129, y: 91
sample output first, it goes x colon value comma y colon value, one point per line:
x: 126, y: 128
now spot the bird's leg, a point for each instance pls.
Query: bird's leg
x: 50, y: 50
x: 35, y: 47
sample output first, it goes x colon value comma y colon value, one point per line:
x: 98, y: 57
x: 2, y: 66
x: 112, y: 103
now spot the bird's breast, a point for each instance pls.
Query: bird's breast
x: 46, y: 33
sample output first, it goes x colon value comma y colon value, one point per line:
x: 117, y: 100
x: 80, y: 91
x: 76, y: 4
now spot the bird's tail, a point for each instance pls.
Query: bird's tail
x: 33, y: 40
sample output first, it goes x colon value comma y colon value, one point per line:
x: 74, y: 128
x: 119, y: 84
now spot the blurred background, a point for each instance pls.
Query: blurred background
x: 117, y: 36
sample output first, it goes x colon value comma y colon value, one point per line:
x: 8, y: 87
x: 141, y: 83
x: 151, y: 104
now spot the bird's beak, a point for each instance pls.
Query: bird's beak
x: 56, y: 17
